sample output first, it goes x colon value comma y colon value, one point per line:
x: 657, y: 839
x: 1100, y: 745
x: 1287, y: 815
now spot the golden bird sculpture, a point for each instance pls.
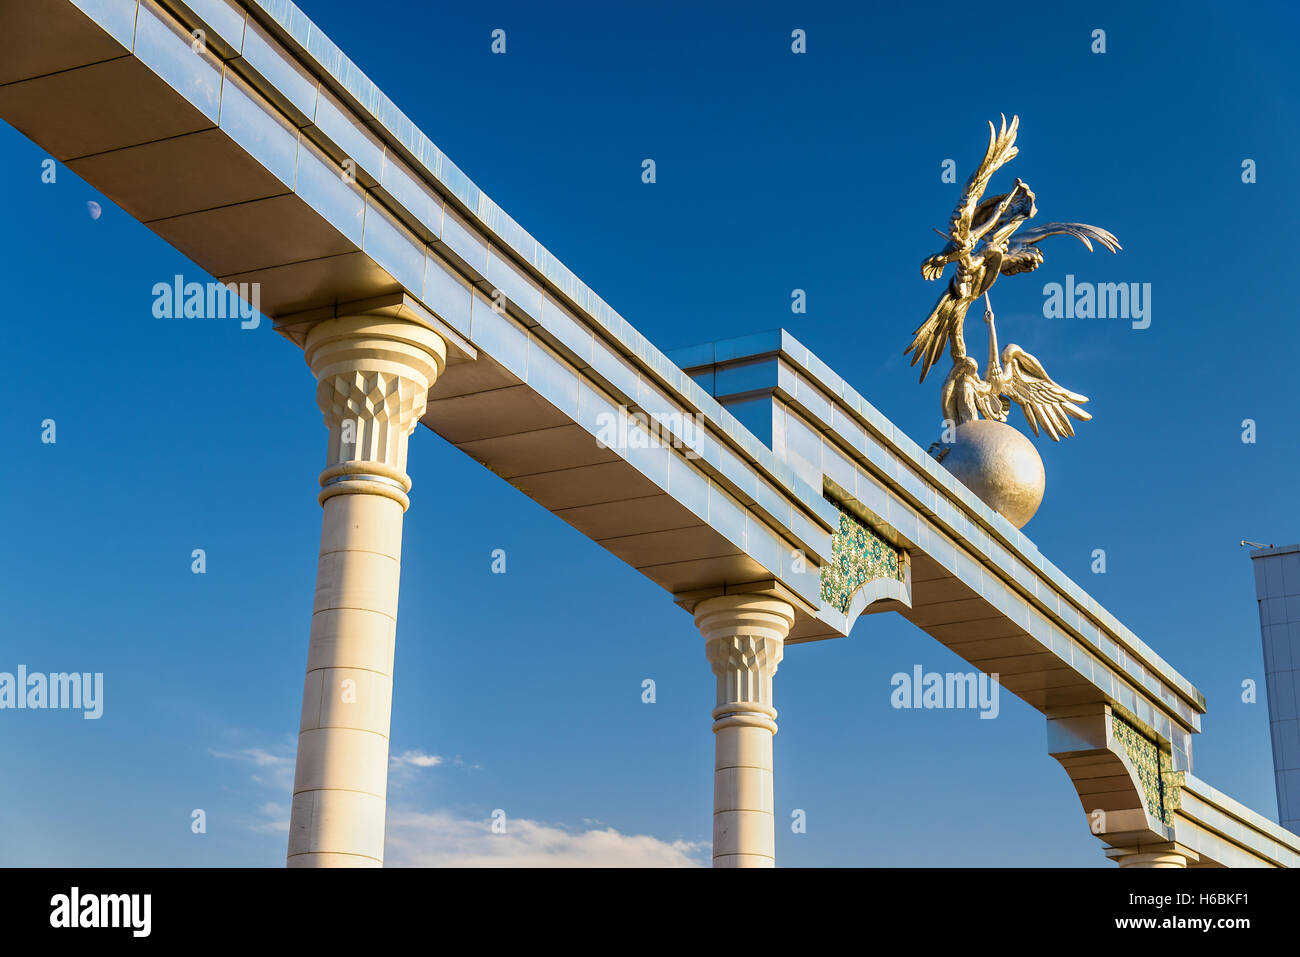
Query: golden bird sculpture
x: 984, y: 242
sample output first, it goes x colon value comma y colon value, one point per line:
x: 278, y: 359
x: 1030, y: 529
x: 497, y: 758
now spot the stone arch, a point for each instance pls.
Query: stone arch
x: 1124, y: 779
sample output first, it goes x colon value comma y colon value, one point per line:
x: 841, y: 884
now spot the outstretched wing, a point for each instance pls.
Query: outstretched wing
x: 1002, y: 149
x: 943, y: 324
x: 1024, y: 256
x: 1042, y: 401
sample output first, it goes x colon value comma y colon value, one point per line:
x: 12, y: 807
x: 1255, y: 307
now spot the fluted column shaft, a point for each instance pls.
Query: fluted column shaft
x: 373, y: 376
x: 744, y: 640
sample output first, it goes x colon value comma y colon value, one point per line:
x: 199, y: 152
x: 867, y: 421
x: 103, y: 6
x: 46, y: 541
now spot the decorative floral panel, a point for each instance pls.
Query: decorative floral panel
x: 1160, y: 782
x: 858, y: 556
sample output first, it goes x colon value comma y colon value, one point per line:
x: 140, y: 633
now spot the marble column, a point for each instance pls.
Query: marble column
x: 373, y: 376
x: 744, y: 639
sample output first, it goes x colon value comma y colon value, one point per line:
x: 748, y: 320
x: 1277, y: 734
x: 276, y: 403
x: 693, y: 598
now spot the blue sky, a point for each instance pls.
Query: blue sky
x: 774, y: 172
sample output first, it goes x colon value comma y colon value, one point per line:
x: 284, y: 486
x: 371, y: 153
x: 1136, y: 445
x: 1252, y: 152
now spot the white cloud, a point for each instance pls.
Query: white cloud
x: 277, y: 770
x: 416, y: 759
x: 439, y: 839
x: 277, y: 819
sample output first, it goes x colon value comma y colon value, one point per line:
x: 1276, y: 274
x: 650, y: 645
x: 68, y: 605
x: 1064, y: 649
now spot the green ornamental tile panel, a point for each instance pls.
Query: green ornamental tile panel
x: 858, y: 556
x: 1160, y: 782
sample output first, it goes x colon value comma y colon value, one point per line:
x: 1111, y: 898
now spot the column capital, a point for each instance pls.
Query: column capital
x: 744, y: 641
x: 373, y: 377
x: 1156, y: 854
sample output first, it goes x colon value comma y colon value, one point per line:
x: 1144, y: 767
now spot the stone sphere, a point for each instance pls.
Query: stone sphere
x: 999, y: 464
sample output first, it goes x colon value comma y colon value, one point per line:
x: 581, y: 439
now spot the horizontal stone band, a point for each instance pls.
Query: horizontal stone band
x: 744, y: 707
x: 365, y: 477
x: 354, y: 485
x: 366, y: 471
x: 743, y: 719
